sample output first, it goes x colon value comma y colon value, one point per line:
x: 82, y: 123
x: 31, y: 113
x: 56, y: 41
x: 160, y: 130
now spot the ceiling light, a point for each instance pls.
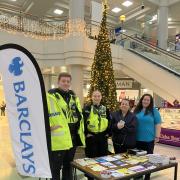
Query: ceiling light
x: 127, y: 3
x: 154, y: 18
x: 123, y: 30
x: 13, y: 0
x: 116, y: 10
x: 58, y: 11
x: 169, y: 19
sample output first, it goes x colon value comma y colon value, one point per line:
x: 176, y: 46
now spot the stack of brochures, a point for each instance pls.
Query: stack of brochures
x: 137, y: 152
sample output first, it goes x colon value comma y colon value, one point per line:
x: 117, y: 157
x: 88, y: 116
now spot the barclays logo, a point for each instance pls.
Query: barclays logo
x: 16, y: 66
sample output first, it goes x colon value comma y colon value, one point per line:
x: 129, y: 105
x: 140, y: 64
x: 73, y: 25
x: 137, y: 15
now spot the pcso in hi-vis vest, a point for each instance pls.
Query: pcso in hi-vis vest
x: 97, y: 127
x: 67, y: 127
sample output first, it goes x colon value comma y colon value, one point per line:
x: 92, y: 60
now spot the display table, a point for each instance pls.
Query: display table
x: 170, y: 132
x: 122, y: 168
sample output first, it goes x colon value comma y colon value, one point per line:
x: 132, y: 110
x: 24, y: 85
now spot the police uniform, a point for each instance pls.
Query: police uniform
x: 97, y: 124
x: 64, y: 111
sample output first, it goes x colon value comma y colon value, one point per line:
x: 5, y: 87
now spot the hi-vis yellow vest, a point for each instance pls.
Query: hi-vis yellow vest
x: 60, y: 115
x: 97, y: 121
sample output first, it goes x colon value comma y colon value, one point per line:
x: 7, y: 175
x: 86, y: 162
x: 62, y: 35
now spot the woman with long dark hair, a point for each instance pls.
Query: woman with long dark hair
x: 148, y: 125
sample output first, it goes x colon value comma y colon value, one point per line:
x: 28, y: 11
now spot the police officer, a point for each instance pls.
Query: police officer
x: 97, y: 127
x: 67, y: 128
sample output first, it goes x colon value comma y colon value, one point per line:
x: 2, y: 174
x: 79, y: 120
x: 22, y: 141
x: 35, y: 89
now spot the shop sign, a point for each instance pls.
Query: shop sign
x: 124, y: 84
x: 170, y: 137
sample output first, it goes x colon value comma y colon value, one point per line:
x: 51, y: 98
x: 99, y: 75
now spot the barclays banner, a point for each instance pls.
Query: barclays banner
x: 27, y: 111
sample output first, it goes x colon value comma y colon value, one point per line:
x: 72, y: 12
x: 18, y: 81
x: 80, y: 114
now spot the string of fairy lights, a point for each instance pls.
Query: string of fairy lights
x: 39, y: 29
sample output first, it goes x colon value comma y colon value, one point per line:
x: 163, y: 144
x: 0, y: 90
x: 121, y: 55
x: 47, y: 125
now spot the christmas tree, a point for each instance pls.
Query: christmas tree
x: 102, y: 74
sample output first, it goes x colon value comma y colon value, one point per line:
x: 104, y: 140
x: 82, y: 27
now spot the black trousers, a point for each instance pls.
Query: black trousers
x: 147, y: 146
x: 96, y: 146
x: 62, y: 160
x: 119, y: 148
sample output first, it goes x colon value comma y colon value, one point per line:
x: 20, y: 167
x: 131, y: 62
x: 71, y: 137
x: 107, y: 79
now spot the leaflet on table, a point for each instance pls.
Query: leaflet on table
x: 101, y: 160
x: 131, y: 161
x: 141, y: 158
x: 135, y: 160
x: 108, y: 164
x: 96, y: 167
x: 109, y: 158
x: 137, y: 168
x: 85, y: 161
x: 148, y: 165
x: 116, y: 174
x: 118, y: 156
x: 125, y: 171
x: 120, y: 163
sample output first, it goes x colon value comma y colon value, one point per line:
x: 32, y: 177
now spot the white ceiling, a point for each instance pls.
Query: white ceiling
x: 134, y: 14
x: 43, y: 8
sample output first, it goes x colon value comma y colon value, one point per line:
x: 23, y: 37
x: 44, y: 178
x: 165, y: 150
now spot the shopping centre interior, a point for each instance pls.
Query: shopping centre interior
x: 62, y: 36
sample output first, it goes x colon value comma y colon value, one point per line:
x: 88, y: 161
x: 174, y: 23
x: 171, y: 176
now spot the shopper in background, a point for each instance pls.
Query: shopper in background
x: 67, y: 127
x: 3, y: 108
x: 148, y: 125
x: 176, y: 103
x: 97, y: 127
x: 123, y: 128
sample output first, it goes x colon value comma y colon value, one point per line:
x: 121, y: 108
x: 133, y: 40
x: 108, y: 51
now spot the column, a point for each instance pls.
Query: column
x: 96, y: 17
x: 163, y: 24
x: 76, y: 10
x: 77, y: 80
x: 47, y: 81
x: 76, y: 18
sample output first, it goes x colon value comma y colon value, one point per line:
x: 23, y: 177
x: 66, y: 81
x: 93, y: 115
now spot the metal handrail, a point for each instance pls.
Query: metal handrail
x: 152, y: 46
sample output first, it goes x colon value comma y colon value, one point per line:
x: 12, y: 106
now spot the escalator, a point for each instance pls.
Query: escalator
x: 153, y: 67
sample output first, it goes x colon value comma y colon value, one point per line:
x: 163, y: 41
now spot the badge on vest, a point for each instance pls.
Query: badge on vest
x: 54, y: 114
x: 92, y: 126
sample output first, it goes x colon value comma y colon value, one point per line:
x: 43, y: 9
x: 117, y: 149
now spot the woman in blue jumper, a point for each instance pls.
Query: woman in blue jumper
x: 148, y: 125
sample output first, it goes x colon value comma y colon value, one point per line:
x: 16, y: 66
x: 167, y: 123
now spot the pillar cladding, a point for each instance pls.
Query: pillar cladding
x: 76, y: 10
x: 77, y: 80
x: 76, y: 25
x: 163, y: 26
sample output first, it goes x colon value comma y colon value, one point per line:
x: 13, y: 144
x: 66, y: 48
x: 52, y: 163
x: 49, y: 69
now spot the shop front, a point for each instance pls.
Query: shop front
x: 128, y: 88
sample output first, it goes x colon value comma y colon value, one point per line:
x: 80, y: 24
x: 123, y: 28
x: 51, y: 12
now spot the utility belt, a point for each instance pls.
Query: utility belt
x: 97, y: 133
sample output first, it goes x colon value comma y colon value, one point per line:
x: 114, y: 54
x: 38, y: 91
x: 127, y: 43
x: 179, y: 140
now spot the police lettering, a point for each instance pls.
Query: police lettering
x: 25, y: 133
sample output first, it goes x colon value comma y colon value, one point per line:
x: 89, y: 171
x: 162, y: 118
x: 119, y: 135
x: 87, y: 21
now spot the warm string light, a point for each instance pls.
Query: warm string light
x: 39, y: 29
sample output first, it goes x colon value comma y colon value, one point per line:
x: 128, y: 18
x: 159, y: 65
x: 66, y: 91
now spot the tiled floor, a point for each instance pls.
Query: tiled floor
x: 7, y: 165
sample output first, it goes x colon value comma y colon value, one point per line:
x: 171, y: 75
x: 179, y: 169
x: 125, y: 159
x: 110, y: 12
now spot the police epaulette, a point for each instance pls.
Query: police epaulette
x: 53, y: 92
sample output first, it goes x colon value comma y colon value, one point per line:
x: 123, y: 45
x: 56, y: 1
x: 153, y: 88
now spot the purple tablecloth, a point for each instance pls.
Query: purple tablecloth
x: 170, y: 136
